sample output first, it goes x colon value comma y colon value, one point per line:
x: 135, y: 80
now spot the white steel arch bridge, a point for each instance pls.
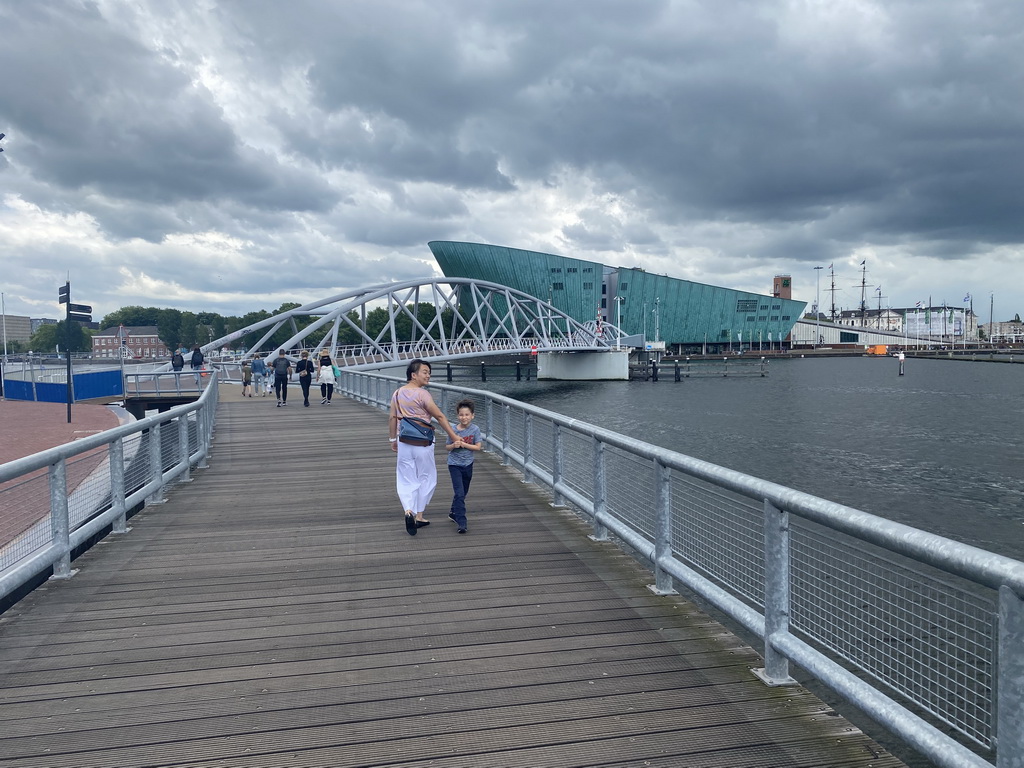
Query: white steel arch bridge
x: 472, y: 318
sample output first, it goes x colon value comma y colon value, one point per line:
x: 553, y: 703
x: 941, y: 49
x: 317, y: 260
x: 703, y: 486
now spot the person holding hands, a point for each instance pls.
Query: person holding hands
x: 460, y: 460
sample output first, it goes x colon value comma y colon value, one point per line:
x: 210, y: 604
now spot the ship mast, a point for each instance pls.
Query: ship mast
x: 832, y: 290
x: 863, y: 293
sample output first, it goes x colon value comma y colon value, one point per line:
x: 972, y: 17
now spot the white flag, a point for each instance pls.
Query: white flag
x: 739, y: 335
x: 769, y: 335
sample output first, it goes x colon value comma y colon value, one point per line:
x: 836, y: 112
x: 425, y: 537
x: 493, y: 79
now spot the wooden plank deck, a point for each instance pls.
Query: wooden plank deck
x: 275, y: 613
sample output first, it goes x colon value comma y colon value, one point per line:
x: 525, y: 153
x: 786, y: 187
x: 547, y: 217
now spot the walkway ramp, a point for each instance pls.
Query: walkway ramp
x: 275, y: 613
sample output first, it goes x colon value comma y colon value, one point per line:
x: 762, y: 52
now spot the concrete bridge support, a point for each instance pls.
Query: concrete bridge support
x: 612, y: 365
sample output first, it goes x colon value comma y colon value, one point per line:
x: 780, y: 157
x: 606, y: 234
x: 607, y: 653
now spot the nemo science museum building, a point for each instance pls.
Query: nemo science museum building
x: 686, y: 316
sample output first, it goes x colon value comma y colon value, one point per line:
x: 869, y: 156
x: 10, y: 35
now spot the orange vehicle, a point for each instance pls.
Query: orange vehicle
x: 878, y: 349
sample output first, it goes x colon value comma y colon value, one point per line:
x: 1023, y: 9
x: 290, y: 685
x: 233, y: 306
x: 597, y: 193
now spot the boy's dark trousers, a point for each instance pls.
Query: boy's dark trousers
x: 461, y: 478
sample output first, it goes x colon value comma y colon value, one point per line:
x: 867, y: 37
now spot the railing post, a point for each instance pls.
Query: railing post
x: 489, y: 418
x: 556, y: 465
x: 448, y: 372
x: 600, y: 493
x: 204, y: 433
x: 483, y: 371
x: 1009, y: 718
x: 60, y: 527
x: 156, y: 465
x: 506, y: 436
x: 183, y: 447
x: 116, y: 458
x: 663, y: 584
x: 776, y: 594
x: 527, y: 446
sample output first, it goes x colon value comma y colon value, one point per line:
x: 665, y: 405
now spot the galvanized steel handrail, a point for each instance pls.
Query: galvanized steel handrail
x: 510, y: 431
x: 118, y: 496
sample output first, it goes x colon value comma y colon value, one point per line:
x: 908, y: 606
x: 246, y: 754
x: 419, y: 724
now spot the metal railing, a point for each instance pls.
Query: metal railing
x: 923, y: 634
x: 54, y: 501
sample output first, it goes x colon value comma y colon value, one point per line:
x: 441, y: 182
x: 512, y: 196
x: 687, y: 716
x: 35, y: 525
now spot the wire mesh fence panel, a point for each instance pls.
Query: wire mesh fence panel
x: 137, y: 468
x: 719, y: 534
x: 578, y: 463
x: 88, y: 486
x: 517, y: 430
x: 917, y: 632
x: 193, y: 433
x: 170, y: 451
x: 543, y: 443
x: 630, y: 489
x: 24, y: 518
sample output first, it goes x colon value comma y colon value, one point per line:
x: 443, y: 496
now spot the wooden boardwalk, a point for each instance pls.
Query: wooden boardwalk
x: 275, y: 613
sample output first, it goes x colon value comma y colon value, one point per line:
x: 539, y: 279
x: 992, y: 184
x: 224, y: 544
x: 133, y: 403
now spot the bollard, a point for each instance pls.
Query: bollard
x: 654, y: 370
x: 677, y: 371
x: 519, y: 371
x: 448, y: 372
x: 483, y: 371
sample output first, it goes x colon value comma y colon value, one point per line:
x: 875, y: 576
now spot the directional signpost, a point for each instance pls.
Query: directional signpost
x: 81, y: 313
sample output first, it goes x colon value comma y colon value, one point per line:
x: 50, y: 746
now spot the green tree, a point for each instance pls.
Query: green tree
x: 65, y: 335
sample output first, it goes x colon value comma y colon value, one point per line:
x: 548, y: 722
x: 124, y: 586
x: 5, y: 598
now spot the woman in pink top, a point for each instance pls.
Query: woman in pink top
x: 416, y: 472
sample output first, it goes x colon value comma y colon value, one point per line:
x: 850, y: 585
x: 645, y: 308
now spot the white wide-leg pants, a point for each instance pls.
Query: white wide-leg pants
x: 417, y: 476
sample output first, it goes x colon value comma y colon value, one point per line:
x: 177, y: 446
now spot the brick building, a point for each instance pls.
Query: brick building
x: 141, y: 343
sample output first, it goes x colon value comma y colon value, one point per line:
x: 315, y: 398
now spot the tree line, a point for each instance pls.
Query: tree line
x: 185, y: 329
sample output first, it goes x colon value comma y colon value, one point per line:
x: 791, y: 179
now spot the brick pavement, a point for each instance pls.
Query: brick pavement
x: 27, y: 428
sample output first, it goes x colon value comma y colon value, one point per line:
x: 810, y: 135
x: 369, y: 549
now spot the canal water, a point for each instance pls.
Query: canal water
x: 940, y: 448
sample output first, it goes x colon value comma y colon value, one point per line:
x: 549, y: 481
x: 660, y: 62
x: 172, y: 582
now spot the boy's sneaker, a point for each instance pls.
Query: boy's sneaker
x: 451, y: 516
x: 462, y: 530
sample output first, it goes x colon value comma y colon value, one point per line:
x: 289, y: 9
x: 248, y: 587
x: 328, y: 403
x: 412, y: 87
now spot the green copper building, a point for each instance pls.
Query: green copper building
x: 683, y: 314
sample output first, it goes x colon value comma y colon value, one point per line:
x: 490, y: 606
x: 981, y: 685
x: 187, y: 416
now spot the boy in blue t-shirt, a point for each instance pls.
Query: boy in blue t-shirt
x: 460, y: 460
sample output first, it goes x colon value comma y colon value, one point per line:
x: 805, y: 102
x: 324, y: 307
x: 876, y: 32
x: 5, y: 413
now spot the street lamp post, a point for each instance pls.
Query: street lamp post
x: 817, y: 305
x: 618, y: 322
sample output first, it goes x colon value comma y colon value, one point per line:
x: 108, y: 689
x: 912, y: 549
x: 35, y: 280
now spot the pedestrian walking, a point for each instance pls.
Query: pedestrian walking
x: 412, y: 437
x: 325, y: 377
x: 246, y: 379
x: 305, y: 369
x: 177, y: 361
x: 282, y: 372
x: 461, y: 454
x: 259, y: 375
x: 197, y: 362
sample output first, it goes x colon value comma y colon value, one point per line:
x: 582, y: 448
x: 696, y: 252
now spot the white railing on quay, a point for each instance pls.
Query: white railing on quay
x: 923, y: 634
x: 54, y: 501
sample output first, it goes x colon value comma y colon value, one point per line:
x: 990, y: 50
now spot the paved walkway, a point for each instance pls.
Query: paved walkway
x: 27, y: 428
x: 275, y: 613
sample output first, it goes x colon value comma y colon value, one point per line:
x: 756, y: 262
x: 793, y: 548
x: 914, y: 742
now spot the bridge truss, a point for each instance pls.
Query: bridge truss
x: 471, y: 318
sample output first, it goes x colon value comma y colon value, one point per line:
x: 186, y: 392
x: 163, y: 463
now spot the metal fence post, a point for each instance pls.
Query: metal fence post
x: 527, y: 446
x: 1009, y: 691
x: 60, y: 528
x: 556, y: 465
x: 183, y: 448
x: 489, y: 421
x: 776, y: 594
x: 663, y: 584
x: 600, y: 493
x: 156, y: 465
x: 116, y: 458
x: 204, y: 433
x: 506, y: 437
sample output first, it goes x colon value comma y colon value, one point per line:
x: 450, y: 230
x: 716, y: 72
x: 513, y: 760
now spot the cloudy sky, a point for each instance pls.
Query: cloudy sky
x: 232, y: 155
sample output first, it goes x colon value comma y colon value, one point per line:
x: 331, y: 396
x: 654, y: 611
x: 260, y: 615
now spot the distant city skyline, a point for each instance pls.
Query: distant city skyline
x: 224, y: 156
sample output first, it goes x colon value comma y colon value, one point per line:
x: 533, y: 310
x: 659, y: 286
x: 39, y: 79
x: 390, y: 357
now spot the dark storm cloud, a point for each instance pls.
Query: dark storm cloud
x: 335, y: 139
x: 119, y: 121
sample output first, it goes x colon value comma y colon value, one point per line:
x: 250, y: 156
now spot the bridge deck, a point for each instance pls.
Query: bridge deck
x: 275, y: 613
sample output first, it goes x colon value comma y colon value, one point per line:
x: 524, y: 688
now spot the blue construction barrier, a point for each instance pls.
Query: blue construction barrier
x: 87, y: 386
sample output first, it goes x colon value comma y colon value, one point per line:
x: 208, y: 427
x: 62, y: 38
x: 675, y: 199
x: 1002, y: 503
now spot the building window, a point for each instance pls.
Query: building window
x: 571, y: 269
x: 762, y: 318
x: 588, y: 286
x: 588, y: 269
x: 623, y: 286
x: 785, y: 317
x: 557, y: 286
x: 775, y: 317
x: 750, y: 318
x: 776, y: 306
x: 604, y: 303
x: 746, y: 305
x: 556, y: 269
